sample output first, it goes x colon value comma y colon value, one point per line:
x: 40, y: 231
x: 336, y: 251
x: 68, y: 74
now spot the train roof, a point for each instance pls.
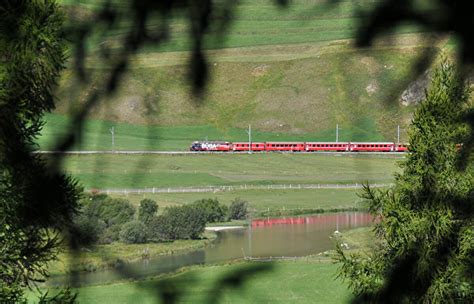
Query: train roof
x: 246, y: 142
x: 284, y: 142
x: 327, y: 142
x: 373, y: 142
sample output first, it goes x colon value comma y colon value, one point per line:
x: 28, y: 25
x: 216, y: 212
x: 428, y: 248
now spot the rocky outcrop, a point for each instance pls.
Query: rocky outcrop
x: 415, y: 92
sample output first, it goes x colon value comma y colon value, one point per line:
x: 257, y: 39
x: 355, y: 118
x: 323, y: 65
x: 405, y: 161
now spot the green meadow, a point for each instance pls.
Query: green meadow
x: 117, y: 171
x: 252, y: 23
x: 96, y: 135
x: 302, y: 281
x: 263, y: 200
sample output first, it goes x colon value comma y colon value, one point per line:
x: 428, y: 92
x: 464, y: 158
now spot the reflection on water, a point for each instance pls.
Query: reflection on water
x: 291, y: 237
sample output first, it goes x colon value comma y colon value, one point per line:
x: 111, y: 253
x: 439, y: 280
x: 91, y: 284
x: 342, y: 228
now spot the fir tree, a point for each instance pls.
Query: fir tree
x: 37, y: 201
x: 425, y: 222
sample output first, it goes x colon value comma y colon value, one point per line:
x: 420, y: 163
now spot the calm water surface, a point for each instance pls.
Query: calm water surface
x: 290, y: 237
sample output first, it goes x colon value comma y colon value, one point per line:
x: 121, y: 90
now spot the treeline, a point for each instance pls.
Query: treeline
x: 103, y: 220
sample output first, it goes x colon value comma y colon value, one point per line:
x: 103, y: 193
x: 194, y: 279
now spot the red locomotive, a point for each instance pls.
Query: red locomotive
x: 225, y: 146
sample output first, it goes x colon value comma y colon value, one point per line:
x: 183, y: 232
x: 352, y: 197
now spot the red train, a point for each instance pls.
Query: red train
x: 226, y: 146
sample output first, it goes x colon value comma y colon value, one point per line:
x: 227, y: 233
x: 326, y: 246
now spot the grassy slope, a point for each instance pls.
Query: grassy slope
x: 148, y: 171
x: 297, y: 100
x: 263, y: 200
x: 288, y: 282
x: 254, y: 22
x: 285, y: 71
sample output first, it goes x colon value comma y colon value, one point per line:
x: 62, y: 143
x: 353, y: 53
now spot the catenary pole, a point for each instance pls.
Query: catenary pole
x: 249, y: 132
x: 112, y: 131
x: 398, y: 134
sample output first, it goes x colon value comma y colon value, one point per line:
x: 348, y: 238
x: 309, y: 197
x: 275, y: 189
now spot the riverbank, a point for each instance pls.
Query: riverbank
x: 220, y: 228
x: 118, y: 254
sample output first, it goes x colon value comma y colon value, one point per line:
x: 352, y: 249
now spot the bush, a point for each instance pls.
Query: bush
x: 116, y: 211
x: 238, y: 209
x: 160, y: 228
x: 148, y: 209
x: 185, y: 222
x: 87, y: 229
x: 133, y: 232
x: 102, y: 217
x: 111, y: 211
x: 213, y: 211
x: 110, y: 234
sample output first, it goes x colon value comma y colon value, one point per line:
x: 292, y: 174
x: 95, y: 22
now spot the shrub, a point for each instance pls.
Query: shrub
x: 213, y: 211
x: 148, y: 209
x: 160, y: 228
x: 111, y: 211
x: 88, y: 229
x: 133, y: 232
x: 185, y: 222
x: 110, y: 234
x: 238, y: 209
x: 102, y: 217
x: 116, y: 211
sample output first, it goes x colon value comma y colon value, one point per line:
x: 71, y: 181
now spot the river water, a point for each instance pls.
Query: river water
x: 282, y: 237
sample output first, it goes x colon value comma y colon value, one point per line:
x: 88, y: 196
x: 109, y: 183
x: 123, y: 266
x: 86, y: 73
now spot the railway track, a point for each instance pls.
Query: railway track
x: 145, y: 152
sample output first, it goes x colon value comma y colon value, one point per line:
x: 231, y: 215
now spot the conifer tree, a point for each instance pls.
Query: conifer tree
x: 37, y: 201
x: 424, y: 223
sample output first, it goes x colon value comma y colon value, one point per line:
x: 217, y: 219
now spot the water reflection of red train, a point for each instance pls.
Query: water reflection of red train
x: 352, y: 218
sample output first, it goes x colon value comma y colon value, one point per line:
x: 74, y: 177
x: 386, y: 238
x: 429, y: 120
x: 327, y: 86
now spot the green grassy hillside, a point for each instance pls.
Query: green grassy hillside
x: 160, y: 171
x: 290, y: 73
x: 253, y: 23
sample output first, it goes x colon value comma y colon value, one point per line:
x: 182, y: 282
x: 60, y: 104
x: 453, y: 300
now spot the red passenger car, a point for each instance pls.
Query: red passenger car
x: 327, y: 146
x: 401, y: 147
x: 372, y: 147
x: 244, y: 146
x: 285, y: 146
